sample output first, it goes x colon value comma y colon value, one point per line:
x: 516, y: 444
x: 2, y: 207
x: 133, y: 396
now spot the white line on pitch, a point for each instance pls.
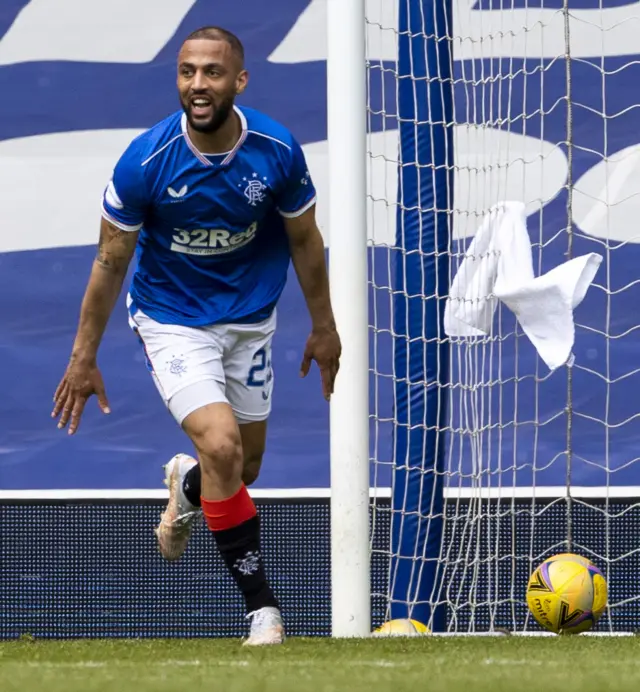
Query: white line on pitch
x: 379, y: 663
x: 510, y: 662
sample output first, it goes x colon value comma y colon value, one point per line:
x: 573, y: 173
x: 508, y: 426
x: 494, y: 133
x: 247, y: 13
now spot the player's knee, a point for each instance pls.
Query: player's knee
x: 220, y: 454
x: 251, y: 468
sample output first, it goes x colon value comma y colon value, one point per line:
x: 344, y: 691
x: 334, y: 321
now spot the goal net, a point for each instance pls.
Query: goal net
x: 485, y: 460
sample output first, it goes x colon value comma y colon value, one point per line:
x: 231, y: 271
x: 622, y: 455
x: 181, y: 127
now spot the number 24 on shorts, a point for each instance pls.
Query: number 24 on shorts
x: 257, y: 378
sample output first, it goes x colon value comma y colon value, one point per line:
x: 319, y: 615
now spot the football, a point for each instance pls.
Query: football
x: 402, y: 627
x: 567, y: 594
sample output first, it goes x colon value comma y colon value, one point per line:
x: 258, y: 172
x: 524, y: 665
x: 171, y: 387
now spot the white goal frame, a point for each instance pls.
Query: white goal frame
x: 349, y: 414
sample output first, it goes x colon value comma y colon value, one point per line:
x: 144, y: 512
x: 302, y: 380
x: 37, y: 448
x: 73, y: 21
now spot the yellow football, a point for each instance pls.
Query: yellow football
x: 402, y: 627
x: 567, y: 594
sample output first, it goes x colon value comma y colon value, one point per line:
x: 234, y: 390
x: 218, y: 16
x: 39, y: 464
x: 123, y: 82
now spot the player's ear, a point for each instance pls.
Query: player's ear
x: 241, y: 82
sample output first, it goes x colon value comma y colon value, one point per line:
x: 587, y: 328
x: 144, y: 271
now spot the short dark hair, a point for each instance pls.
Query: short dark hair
x: 217, y: 33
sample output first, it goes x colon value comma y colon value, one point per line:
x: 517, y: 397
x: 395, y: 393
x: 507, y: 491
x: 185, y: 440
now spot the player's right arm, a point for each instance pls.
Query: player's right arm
x: 115, y: 251
x: 123, y: 209
x: 82, y: 377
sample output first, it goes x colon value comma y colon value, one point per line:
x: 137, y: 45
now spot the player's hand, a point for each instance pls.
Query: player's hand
x: 323, y: 346
x: 80, y: 381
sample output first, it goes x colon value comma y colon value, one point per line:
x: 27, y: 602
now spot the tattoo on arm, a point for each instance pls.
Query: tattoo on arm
x: 115, y: 247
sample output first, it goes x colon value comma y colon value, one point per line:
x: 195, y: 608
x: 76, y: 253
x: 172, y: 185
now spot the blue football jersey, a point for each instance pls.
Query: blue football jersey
x: 212, y: 246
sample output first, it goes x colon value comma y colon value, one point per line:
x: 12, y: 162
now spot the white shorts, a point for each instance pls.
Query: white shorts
x: 196, y: 366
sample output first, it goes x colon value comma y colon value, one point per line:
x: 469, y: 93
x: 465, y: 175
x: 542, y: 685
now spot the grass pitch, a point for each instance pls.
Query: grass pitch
x: 433, y: 664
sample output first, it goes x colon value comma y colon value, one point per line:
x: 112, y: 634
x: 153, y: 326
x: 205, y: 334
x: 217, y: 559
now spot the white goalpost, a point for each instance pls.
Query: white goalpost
x: 461, y: 462
x: 349, y: 416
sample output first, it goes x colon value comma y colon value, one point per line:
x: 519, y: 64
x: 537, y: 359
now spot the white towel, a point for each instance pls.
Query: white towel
x: 499, y: 266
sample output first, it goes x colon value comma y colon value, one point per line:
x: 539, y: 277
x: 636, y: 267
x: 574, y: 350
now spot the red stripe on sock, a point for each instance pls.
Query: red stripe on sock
x: 226, y: 514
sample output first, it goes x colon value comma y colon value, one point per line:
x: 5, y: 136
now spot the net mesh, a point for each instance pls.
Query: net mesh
x: 544, y: 104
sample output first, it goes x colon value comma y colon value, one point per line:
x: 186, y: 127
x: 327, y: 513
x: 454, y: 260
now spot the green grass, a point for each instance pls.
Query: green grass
x: 427, y: 664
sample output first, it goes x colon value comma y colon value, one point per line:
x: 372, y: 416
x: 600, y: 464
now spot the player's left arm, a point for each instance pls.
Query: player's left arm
x: 296, y: 202
x: 307, y: 254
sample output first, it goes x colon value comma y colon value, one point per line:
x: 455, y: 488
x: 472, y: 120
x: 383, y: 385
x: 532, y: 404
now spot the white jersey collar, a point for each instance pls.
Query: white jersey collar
x: 230, y: 155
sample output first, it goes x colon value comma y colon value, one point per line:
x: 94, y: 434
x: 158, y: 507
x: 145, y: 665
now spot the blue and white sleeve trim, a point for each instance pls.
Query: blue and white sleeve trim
x: 299, y: 212
x: 118, y: 224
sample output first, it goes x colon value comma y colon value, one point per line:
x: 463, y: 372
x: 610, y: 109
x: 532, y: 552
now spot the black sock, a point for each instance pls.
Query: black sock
x: 191, y: 484
x: 240, y: 549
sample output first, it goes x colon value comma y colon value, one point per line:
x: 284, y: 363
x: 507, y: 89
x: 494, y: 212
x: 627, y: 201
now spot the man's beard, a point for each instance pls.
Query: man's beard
x: 218, y: 118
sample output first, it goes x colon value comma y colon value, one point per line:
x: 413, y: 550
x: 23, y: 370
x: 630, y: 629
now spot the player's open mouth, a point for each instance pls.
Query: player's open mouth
x: 201, y: 107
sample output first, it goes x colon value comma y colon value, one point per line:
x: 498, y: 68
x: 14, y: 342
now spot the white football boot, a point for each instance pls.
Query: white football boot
x: 178, y: 519
x: 266, y: 627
